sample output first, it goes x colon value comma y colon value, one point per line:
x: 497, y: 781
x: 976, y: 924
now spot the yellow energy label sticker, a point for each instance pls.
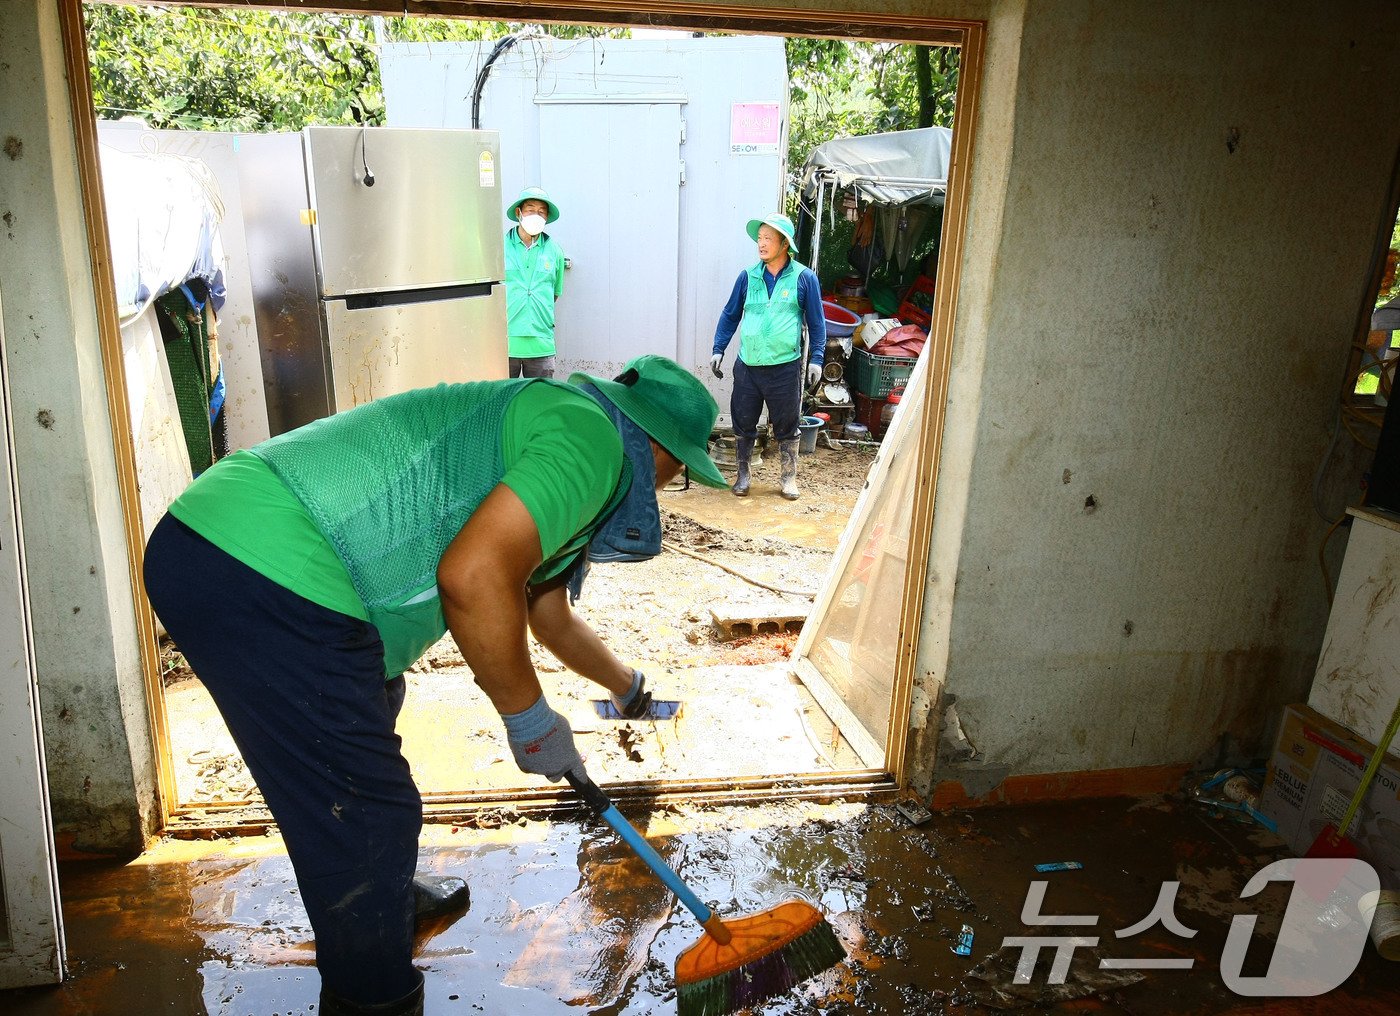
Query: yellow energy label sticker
x: 486, y: 169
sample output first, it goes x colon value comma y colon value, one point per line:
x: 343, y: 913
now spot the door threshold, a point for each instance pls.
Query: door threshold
x: 492, y: 808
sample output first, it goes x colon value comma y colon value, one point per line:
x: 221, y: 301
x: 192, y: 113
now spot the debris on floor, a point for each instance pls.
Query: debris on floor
x: 999, y: 981
x: 218, y: 927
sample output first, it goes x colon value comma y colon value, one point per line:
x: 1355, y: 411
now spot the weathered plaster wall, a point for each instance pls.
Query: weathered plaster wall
x: 1146, y: 373
x: 95, y: 722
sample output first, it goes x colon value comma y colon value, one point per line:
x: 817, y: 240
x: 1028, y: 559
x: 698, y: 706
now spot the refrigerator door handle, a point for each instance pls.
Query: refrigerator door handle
x: 397, y: 298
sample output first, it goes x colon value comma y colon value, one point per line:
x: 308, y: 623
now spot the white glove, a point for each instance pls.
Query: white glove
x: 715, y: 361
x: 814, y: 374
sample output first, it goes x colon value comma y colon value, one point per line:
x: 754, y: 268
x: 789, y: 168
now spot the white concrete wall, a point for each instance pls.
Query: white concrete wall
x: 1357, y: 683
x: 96, y: 733
x: 1157, y: 303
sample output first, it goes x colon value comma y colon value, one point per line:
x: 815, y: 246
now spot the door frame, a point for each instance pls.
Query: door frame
x: 969, y: 36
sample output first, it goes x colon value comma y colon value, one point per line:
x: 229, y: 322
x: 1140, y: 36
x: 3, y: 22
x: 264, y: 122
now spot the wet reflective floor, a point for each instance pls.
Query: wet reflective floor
x: 564, y: 920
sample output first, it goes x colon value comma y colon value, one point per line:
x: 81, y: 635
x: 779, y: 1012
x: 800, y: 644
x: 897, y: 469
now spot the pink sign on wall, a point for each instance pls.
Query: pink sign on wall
x: 755, y: 128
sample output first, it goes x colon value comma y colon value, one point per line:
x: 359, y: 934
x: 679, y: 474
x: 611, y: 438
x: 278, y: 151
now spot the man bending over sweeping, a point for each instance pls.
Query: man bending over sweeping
x: 302, y: 577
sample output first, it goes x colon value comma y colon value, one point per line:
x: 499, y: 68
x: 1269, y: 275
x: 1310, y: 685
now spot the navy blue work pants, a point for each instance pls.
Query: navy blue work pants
x: 780, y: 386
x: 302, y: 690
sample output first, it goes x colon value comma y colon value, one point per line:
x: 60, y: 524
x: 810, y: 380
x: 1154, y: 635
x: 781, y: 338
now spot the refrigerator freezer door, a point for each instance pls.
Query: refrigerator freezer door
x: 381, y: 351
x: 433, y: 216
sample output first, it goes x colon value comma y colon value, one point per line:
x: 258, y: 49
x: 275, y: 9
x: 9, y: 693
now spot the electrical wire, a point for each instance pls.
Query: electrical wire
x: 505, y: 43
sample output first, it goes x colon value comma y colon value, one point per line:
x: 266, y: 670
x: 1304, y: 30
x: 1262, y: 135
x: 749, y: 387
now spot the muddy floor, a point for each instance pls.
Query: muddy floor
x: 761, y: 552
x: 564, y: 920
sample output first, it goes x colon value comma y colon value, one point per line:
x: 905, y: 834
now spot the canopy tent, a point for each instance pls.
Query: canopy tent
x: 895, y: 170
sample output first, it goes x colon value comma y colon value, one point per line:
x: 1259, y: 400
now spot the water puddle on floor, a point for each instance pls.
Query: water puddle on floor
x: 565, y: 919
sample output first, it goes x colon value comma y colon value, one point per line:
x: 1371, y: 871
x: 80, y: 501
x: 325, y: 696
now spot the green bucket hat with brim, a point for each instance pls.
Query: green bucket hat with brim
x: 671, y: 405
x: 779, y: 222
x: 538, y: 194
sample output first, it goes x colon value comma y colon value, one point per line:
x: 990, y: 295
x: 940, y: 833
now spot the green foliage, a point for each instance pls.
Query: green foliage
x: 841, y: 88
x: 194, y: 68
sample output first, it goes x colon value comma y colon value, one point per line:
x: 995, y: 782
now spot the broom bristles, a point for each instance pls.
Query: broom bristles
x: 795, y: 954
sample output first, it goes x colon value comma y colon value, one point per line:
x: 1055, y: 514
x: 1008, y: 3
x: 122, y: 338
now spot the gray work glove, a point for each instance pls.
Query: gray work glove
x: 635, y: 704
x: 715, y: 361
x: 814, y: 374
x: 542, y: 742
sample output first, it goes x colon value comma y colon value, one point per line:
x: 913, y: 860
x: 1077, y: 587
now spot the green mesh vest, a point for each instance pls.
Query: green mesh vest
x: 390, y: 484
x: 771, y: 330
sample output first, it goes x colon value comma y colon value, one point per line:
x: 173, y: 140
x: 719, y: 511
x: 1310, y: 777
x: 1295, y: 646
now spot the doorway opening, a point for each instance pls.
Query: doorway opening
x: 771, y: 711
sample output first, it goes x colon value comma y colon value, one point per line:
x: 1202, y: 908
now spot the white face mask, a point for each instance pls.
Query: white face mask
x: 532, y: 224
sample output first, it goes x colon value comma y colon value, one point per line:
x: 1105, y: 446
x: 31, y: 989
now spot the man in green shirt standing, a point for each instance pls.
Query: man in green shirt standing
x: 300, y: 578
x: 534, y: 280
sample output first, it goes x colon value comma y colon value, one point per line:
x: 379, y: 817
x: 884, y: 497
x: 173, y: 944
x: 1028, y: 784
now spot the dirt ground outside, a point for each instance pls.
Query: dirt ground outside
x: 655, y: 615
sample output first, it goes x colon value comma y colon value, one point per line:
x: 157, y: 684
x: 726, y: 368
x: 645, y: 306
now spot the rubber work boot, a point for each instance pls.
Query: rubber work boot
x: 410, y: 1005
x: 788, y: 451
x: 743, y: 451
x: 439, y: 895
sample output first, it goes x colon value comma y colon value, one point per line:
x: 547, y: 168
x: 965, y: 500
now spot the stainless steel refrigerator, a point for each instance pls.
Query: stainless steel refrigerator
x: 377, y: 262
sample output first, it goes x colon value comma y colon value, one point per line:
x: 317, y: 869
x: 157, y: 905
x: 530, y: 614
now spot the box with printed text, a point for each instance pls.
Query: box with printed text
x: 1314, y: 771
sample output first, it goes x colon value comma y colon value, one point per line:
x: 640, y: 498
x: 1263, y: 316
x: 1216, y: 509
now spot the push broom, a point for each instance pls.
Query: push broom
x: 740, y: 962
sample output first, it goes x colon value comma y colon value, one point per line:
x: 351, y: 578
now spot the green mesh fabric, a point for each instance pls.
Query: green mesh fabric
x: 390, y: 483
x: 187, y: 352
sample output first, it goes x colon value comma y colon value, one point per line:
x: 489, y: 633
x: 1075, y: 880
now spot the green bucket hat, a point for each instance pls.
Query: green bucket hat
x: 671, y: 405
x: 539, y: 194
x: 779, y: 222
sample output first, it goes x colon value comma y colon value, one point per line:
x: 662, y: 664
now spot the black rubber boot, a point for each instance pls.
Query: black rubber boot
x: 743, y: 451
x: 410, y: 1005
x: 439, y: 895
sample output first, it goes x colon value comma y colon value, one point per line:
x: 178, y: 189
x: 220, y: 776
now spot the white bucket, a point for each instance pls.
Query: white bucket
x: 1382, y: 906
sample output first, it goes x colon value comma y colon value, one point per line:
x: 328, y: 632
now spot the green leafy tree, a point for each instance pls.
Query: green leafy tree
x: 195, y: 68
x: 840, y: 88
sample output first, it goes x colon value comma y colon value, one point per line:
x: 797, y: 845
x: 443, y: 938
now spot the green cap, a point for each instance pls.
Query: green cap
x: 539, y: 194
x: 671, y: 405
x: 779, y: 222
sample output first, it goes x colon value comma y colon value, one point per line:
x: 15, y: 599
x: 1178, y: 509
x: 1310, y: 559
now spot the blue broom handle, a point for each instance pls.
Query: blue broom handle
x: 607, y: 811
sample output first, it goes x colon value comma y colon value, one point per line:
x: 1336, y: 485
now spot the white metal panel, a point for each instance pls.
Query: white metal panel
x: 615, y: 171
x: 31, y: 930
x: 162, y: 458
x: 1357, y: 683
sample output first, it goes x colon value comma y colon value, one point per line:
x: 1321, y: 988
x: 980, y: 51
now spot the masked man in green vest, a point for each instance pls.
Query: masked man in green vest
x: 534, y: 281
x: 770, y: 304
x: 300, y: 578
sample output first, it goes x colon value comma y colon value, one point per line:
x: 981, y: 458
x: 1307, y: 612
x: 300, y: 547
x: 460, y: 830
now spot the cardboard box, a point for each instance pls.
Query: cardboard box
x: 1316, y: 766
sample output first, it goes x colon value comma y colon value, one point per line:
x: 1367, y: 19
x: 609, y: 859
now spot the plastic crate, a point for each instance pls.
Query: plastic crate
x: 877, y: 376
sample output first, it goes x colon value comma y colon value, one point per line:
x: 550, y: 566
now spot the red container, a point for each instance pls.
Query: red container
x: 917, y: 307
x: 868, y: 413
